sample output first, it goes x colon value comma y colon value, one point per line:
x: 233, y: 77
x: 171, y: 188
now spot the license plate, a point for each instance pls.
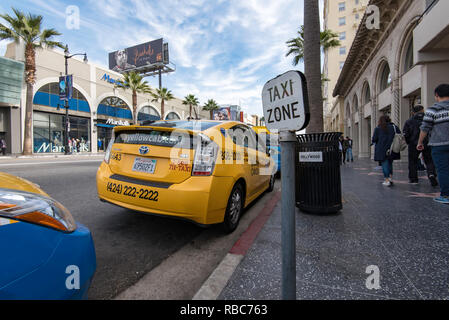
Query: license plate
x: 144, y: 165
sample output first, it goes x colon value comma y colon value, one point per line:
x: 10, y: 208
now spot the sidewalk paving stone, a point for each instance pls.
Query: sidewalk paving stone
x: 406, y: 237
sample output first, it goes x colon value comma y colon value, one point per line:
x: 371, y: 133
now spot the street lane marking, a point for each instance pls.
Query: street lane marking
x: 46, y: 162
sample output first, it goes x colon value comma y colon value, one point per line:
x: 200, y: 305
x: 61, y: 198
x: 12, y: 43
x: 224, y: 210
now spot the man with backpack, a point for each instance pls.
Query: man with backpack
x: 436, y: 125
x: 411, y: 134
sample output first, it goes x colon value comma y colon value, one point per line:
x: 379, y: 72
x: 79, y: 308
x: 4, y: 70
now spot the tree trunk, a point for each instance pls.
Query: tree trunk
x: 134, y: 107
x: 162, y: 109
x: 312, y: 64
x: 27, y: 145
x: 30, y: 73
x: 211, y: 114
x: 196, y: 113
x: 190, y: 111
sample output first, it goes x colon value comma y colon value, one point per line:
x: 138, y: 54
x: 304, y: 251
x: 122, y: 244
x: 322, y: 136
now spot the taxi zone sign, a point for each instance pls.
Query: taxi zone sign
x: 285, y: 102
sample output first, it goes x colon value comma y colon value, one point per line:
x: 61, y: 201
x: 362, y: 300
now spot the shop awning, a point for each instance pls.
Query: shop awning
x: 104, y: 125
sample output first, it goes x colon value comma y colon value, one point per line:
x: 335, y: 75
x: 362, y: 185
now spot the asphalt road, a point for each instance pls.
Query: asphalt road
x: 128, y: 244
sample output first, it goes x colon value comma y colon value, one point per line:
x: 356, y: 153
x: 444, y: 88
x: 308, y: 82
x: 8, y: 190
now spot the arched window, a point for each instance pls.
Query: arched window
x: 366, y: 94
x: 355, y: 103
x: 48, y: 95
x: 172, y: 116
x: 148, y: 113
x: 385, y: 77
x: 114, y: 107
x: 408, y: 61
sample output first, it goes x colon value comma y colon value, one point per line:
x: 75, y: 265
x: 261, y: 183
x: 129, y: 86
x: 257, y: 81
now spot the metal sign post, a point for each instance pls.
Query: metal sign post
x: 286, y: 109
x: 288, y: 140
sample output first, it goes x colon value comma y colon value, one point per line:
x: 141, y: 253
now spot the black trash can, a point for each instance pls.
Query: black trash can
x: 318, y: 179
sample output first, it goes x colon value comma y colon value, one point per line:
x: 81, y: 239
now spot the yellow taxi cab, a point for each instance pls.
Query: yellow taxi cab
x: 203, y: 171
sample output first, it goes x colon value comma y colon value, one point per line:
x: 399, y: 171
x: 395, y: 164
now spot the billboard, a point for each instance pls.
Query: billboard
x: 136, y: 57
x: 231, y: 112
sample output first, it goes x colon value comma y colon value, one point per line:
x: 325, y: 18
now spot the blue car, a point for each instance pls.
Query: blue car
x: 44, y: 253
x: 275, y: 153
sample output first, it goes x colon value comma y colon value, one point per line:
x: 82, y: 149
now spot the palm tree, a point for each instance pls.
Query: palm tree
x: 28, y: 28
x: 191, y: 100
x: 312, y: 64
x: 133, y: 81
x: 211, y: 105
x: 328, y: 39
x: 162, y: 94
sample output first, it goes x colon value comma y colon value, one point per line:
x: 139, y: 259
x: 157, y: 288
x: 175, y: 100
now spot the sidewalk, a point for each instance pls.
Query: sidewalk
x: 401, y: 230
x: 51, y: 155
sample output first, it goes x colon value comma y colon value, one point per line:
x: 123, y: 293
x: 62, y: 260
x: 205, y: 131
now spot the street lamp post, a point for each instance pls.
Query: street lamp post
x: 67, y: 56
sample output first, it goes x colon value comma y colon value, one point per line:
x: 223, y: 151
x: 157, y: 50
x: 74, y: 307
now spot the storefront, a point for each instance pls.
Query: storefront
x: 48, y: 133
x: 11, y: 79
x: 111, y: 112
x: 49, y: 118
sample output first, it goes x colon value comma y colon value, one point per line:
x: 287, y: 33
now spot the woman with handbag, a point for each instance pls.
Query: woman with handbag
x: 383, y: 137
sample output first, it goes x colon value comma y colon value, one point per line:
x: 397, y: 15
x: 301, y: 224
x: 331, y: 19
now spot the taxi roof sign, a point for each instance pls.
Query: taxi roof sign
x: 285, y: 102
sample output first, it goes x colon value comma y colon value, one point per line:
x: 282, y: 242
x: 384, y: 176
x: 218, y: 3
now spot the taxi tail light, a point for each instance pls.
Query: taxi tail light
x: 36, y: 209
x: 205, y: 156
x: 107, y: 154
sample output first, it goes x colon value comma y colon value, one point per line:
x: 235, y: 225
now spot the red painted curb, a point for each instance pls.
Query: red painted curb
x: 245, y: 241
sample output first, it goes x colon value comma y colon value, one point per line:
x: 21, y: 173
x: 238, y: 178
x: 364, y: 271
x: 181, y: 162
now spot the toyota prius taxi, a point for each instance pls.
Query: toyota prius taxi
x: 44, y: 253
x: 203, y: 171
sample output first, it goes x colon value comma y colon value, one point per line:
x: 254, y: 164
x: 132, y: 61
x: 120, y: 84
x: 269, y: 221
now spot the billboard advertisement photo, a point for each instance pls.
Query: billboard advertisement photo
x: 222, y: 114
x: 136, y: 57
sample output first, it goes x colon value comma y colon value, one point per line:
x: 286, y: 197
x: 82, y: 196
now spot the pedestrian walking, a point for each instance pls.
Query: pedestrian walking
x: 345, y: 146
x: 383, y: 138
x: 340, y: 148
x: 411, y: 134
x: 3, y: 146
x: 349, y: 150
x: 74, y: 145
x: 435, y: 125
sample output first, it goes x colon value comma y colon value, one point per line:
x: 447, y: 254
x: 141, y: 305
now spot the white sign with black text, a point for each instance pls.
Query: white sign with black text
x: 285, y: 102
x: 311, y: 156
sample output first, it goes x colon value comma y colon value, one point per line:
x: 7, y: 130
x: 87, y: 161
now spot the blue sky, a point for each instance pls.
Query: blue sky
x: 223, y: 49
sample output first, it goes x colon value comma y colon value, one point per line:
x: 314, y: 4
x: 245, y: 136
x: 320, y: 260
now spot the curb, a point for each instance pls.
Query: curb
x: 214, y: 285
x: 51, y: 156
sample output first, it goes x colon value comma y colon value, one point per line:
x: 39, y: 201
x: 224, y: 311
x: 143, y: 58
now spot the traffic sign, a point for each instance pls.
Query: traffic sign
x: 285, y: 102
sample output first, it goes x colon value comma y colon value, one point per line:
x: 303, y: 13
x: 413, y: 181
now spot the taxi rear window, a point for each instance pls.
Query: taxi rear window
x: 187, y: 125
x: 156, y: 138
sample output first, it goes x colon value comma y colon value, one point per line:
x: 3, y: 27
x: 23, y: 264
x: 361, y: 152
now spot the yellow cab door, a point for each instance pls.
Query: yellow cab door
x: 265, y: 163
x: 245, y: 144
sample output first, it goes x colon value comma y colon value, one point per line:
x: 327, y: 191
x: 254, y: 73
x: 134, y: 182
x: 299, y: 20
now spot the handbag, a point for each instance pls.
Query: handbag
x: 399, y: 144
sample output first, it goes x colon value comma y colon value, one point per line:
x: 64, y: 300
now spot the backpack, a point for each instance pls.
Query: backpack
x: 399, y: 144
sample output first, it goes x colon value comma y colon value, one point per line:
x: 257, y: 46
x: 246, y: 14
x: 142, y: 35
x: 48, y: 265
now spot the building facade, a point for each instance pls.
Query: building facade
x: 96, y: 107
x: 394, y: 67
x: 11, y: 79
x: 342, y: 17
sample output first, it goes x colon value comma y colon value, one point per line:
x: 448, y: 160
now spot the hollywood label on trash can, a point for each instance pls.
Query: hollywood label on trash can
x: 311, y: 156
x: 285, y: 102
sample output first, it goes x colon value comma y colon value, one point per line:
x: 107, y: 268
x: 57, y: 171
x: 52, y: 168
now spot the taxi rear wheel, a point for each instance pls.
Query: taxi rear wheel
x: 234, y: 209
x: 272, y: 181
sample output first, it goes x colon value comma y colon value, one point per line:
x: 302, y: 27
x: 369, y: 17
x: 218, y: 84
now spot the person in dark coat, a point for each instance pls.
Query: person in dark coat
x: 383, y: 138
x: 411, y: 135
